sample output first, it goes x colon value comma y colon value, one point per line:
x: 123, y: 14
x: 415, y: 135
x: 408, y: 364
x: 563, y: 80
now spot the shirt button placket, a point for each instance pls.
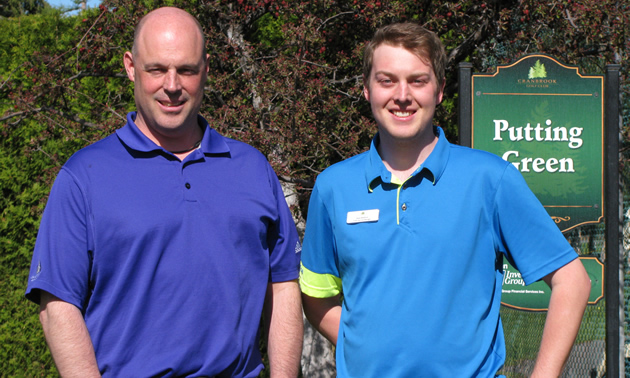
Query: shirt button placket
x: 189, y: 194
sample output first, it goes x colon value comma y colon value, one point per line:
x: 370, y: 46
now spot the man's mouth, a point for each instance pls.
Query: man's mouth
x: 169, y: 104
x: 401, y: 113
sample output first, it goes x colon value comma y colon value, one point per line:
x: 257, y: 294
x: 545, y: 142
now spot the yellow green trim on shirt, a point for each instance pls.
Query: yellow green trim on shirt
x: 318, y: 285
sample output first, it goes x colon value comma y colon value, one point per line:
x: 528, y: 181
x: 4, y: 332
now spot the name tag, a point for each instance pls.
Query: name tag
x: 362, y: 216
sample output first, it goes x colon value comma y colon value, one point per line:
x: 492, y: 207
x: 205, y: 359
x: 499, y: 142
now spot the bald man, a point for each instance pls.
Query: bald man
x: 163, y: 244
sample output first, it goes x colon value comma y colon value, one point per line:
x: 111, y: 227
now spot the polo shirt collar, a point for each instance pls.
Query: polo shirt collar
x: 434, y: 164
x: 375, y: 167
x: 212, y: 142
x: 437, y: 160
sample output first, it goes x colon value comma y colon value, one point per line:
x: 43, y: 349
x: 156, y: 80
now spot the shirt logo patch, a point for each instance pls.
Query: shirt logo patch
x: 298, y: 247
x: 362, y: 216
x: 39, y: 270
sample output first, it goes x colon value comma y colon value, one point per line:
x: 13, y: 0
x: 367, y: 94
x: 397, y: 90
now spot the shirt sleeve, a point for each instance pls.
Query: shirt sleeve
x: 533, y: 242
x: 319, y: 285
x: 319, y: 274
x: 284, y: 243
x: 61, y: 259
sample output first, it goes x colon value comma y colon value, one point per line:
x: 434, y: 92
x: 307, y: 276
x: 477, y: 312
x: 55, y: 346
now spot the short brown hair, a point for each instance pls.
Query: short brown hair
x: 423, y: 43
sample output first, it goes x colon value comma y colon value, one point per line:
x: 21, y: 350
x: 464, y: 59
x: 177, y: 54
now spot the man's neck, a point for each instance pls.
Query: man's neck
x: 402, y: 158
x: 190, y: 146
x: 179, y: 142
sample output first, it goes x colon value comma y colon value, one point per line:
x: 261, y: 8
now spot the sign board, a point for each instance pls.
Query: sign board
x: 535, y: 297
x: 548, y: 120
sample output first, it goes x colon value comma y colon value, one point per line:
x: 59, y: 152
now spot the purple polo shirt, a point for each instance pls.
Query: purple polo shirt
x: 168, y: 260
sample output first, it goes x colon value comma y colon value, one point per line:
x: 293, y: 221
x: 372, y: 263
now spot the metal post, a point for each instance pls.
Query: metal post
x: 614, y: 273
x: 464, y: 82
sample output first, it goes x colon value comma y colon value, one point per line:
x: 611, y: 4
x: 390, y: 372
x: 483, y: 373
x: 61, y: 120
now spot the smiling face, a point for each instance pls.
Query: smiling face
x: 403, y: 92
x: 169, y: 70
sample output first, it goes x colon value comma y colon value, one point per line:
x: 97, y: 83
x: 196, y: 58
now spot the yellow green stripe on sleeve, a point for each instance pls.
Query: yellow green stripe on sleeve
x: 319, y: 285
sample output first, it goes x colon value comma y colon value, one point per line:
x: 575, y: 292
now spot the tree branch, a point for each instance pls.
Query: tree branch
x: 72, y: 117
x: 570, y: 18
x: 333, y: 17
x: 468, y: 46
x: 295, y: 180
x: 83, y: 74
x: 17, y: 114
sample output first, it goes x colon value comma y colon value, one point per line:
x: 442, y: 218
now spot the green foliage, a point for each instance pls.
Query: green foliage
x: 16, y: 8
x: 33, y: 145
x: 268, y: 30
x: 285, y: 76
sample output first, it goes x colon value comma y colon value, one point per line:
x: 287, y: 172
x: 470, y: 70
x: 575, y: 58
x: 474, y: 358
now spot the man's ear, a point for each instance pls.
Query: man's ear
x: 440, y: 94
x: 366, y: 93
x: 129, y: 66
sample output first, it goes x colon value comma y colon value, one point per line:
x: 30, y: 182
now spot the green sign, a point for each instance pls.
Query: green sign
x: 535, y: 297
x: 546, y: 119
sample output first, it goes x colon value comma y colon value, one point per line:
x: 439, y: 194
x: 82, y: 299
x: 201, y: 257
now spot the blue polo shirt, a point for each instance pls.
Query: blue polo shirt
x: 419, y: 262
x: 168, y: 260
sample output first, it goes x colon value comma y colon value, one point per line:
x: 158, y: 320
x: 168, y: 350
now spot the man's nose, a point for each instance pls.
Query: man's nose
x: 171, y: 82
x: 402, y: 91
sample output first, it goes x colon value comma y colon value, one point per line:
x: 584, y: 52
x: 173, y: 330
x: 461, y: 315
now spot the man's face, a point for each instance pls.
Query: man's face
x: 169, y: 71
x: 403, y: 93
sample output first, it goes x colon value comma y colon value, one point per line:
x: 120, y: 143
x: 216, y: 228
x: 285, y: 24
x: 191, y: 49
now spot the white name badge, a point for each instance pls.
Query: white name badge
x: 362, y: 216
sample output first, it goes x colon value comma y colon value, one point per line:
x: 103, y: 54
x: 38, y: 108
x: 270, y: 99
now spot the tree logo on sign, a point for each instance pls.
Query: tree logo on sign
x: 538, y: 71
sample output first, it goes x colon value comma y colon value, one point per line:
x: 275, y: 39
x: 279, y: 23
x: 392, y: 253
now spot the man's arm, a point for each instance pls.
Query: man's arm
x: 324, y: 314
x: 285, y: 330
x: 570, y: 289
x: 67, y: 337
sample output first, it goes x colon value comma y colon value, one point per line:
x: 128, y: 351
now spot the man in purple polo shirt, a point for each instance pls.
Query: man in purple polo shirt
x: 162, y: 245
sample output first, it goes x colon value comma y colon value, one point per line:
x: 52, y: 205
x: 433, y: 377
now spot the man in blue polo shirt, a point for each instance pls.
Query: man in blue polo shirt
x: 402, y: 259
x: 161, y: 244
